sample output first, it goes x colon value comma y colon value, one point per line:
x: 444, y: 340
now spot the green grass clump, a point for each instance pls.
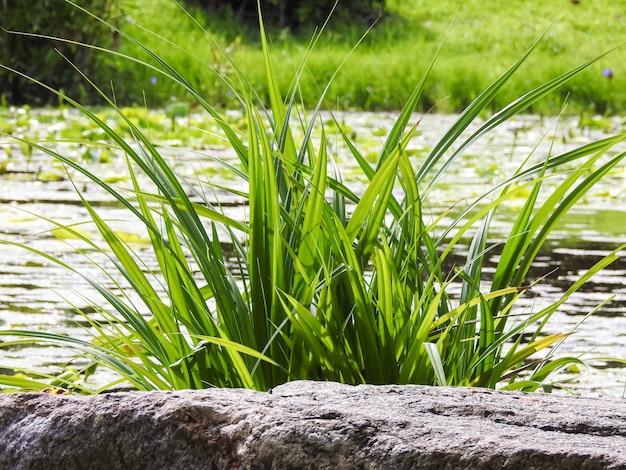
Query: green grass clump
x: 482, y: 40
x: 325, y: 282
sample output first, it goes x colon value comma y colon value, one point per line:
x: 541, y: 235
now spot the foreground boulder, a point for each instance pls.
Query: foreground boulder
x: 312, y: 425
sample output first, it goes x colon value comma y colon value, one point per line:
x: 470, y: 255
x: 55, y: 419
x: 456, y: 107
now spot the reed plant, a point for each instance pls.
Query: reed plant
x: 320, y: 280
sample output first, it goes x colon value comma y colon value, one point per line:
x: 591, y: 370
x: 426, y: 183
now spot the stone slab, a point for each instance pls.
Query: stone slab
x: 312, y: 425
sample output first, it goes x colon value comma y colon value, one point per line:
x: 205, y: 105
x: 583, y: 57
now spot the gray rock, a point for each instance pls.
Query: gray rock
x: 312, y: 425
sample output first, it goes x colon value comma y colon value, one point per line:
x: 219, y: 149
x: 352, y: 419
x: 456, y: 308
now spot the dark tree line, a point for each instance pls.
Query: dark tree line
x: 294, y: 14
x: 43, y: 59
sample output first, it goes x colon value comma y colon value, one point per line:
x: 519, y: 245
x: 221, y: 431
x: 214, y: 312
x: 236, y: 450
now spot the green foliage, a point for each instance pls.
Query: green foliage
x: 46, y: 59
x: 324, y: 281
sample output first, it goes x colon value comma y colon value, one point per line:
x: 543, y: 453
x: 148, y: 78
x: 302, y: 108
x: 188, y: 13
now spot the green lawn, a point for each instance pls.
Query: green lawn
x: 483, y: 38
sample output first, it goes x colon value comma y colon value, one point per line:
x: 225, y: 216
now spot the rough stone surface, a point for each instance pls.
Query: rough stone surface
x: 312, y: 425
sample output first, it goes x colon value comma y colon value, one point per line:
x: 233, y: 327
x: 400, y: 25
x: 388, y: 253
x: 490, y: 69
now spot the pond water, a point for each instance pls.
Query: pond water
x: 34, y: 190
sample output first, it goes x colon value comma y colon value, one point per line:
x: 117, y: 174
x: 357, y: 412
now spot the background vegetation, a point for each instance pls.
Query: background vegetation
x: 43, y: 58
x: 293, y: 14
x: 483, y: 38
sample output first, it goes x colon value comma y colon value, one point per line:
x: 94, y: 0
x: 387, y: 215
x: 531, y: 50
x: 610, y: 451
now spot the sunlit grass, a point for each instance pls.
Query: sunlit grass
x: 483, y: 39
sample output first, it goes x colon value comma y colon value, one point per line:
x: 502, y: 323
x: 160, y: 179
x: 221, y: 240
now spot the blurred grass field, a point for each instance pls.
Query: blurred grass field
x: 481, y: 39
